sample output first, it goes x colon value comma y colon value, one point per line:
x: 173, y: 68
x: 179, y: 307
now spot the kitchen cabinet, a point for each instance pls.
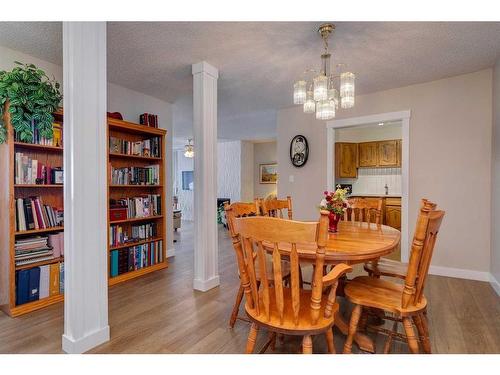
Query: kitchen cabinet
x: 388, y: 153
x: 393, y: 217
x: 346, y: 160
x: 368, y: 154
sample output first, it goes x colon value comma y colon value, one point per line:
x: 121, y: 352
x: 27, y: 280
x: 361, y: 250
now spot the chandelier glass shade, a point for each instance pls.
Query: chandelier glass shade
x: 189, y: 149
x: 324, y: 93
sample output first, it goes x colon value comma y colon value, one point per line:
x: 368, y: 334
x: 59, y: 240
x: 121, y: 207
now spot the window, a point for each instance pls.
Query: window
x: 187, y: 180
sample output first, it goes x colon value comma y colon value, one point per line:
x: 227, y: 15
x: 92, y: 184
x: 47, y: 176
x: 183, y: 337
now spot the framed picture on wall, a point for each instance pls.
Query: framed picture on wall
x: 268, y: 173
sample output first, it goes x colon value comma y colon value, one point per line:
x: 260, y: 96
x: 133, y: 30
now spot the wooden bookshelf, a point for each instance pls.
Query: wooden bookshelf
x: 129, y: 131
x: 51, y: 194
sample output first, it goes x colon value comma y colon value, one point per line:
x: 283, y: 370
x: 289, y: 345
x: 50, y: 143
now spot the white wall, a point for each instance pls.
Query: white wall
x: 369, y: 133
x: 8, y: 56
x: 264, y: 153
x: 450, y: 160
x: 247, y: 171
x: 229, y: 170
x: 495, y: 234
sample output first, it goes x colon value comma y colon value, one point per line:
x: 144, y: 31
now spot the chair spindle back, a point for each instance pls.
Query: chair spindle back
x: 274, y: 207
x: 254, y: 234
x: 427, y: 228
x: 365, y: 210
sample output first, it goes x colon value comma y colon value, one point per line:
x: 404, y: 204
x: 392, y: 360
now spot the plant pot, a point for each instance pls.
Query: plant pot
x: 333, y: 221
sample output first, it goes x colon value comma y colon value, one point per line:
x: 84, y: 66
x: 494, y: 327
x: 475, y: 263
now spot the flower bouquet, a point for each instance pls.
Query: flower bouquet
x: 335, y: 203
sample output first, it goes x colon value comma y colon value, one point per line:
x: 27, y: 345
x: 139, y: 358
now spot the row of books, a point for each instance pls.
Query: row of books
x: 149, y: 120
x: 39, y: 248
x: 31, y: 213
x: 149, y: 175
x: 32, y: 171
x: 41, y: 282
x: 37, y: 139
x: 118, y: 235
x: 147, y: 147
x: 135, y: 258
x: 141, y: 206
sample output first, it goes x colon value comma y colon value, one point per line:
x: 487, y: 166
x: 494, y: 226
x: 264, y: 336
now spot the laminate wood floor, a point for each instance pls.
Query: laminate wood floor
x: 160, y: 313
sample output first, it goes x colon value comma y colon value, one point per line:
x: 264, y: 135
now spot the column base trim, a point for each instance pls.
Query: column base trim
x: 204, y: 285
x: 171, y: 252
x: 87, y: 342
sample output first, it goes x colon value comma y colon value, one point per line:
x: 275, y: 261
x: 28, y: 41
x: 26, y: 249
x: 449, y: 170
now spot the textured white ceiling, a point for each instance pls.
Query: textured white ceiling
x: 258, y: 61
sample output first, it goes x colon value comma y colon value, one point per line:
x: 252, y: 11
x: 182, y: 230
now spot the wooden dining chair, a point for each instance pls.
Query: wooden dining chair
x: 366, y: 210
x: 405, y: 303
x: 244, y: 209
x: 277, y: 308
x: 274, y: 207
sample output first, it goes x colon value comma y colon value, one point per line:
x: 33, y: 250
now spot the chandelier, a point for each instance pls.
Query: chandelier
x: 189, y: 149
x: 320, y: 94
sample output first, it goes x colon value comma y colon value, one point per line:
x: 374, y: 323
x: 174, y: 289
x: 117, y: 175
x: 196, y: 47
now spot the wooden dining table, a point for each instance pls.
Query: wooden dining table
x: 354, y: 243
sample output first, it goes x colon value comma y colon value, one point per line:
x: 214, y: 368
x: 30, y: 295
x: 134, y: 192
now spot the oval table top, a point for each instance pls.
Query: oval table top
x: 355, y: 242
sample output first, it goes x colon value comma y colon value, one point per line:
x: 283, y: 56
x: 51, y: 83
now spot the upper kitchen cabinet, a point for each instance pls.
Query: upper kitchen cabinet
x: 368, y: 154
x: 388, y: 152
x: 346, y: 160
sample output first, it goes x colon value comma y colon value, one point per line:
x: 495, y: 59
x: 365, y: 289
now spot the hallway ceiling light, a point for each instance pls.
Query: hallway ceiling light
x: 189, y: 149
x: 320, y: 93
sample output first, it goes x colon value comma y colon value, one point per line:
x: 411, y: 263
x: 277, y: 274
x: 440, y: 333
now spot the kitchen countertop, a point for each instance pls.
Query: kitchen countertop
x: 376, y: 195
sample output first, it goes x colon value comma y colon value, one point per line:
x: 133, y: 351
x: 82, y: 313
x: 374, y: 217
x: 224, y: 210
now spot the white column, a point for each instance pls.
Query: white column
x: 206, y: 269
x: 86, y: 284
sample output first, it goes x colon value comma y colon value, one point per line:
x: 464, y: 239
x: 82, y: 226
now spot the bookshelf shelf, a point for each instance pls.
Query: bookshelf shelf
x: 137, y: 219
x: 137, y: 157
x: 38, y: 231
x: 42, y: 263
x: 135, y: 186
x: 25, y: 186
x: 35, y: 305
x: 38, y: 147
x: 131, y: 244
x: 133, y: 274
x: 50, y: 196
x: 131, y: 132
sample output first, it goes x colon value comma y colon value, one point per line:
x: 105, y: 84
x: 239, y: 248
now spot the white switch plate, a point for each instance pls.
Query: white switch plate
x: 291, y: 178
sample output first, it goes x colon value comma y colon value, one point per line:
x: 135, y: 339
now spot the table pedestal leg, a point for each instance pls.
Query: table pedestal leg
x: 364, y: 342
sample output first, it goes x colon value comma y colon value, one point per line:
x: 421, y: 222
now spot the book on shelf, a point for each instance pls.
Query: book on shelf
x: 35, y: 249
x: 56, y: 241
x: 44, y: 281
x: 141, y: 206
x: 147, y: 147
x: 37, y: 139
x: 119, y: 235
x: 149, y: 119
x: 54, y: 278
x: 36, y: 283
x: 135, y: 257
x: 31, y: 214
x: 61, y: 278
x: 148, y: 175
x: 29, y: 171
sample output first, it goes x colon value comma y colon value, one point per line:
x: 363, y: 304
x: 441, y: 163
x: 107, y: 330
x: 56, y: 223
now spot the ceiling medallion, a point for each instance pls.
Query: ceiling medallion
x: 320, y: 94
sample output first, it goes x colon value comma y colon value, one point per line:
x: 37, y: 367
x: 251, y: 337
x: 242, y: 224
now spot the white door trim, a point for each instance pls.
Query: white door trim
x: 404, y: 117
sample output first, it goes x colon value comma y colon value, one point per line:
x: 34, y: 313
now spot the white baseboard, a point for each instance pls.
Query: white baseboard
x: 459, y: 273
x: 204, y: 285
x: 495, y: 284
x: 171, y: 252
x: 87, y: 342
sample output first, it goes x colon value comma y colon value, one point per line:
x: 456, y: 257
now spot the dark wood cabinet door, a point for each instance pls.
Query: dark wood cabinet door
x: 393, y: 217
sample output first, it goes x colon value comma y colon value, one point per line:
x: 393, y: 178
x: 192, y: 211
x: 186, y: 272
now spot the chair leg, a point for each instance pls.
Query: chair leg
x: 410, y: 335
x: 273, y: 341
x: 252, y: 336
x: 329, y: 341
x: 420, y: 322
x: 236, y: 307
x: 307, y: 346
x: 353, y: 327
